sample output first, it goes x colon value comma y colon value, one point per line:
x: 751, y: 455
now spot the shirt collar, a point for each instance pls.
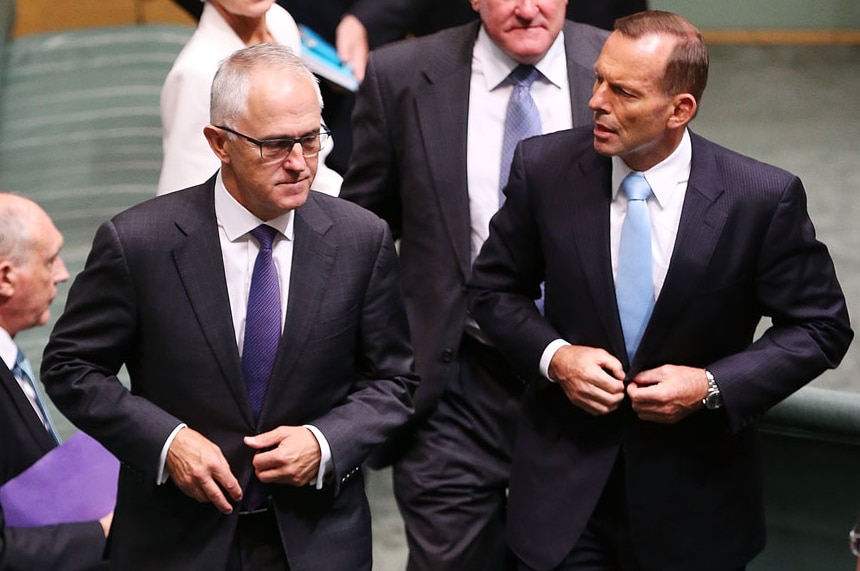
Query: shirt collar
x: 496, y: 65
x: 664, y: 177
x: 8, y: 349
x: 237, y: 221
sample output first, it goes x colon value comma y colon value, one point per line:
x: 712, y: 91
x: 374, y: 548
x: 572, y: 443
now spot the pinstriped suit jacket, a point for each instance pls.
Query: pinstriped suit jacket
x: 409, y: 166
x: 153, y: 297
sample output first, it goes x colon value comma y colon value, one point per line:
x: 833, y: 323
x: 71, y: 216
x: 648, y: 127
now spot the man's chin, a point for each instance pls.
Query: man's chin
x: 603, y: 147
x: 295, y: 197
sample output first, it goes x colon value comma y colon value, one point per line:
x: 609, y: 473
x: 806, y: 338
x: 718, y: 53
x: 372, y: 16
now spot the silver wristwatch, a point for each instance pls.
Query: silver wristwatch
x: 714, y: 399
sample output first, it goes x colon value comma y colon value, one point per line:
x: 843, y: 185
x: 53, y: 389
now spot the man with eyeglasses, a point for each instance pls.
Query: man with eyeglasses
x: 266, y: 342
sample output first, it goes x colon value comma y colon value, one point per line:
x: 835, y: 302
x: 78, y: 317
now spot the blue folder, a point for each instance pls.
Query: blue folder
x: 321, y: 58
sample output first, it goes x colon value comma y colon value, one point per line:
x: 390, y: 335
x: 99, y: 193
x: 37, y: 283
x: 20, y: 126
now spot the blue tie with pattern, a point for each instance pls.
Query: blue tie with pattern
x: 22, y: 370
x: 634, y: 285
x: 263, y: 321
x: 521, y: 121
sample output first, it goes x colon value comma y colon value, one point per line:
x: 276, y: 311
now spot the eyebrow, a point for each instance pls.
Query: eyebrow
x: 288, y: 137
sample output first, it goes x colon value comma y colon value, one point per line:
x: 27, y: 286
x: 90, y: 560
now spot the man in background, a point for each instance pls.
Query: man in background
x: 660, y: 253
x: 433, y: 139
x: 30, y: 269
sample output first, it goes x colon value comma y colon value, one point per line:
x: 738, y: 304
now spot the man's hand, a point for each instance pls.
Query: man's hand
x: 105, y: 521
x: 667, y: 394
x: 351, y: 43
x: 197, y: 466
x: 286, y: 455
x: 591, y: 378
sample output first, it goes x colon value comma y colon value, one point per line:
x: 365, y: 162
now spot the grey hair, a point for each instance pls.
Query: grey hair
x: 229, y: 95
x: 16, y: 229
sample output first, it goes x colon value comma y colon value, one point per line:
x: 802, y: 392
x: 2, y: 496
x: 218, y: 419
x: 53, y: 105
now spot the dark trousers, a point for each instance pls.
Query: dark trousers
x: 257, y: 545
x: 605, y: 544
x: 451, y: 486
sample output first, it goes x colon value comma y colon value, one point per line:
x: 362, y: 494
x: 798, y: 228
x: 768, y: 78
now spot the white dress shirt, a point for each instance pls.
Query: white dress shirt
x: 9, y: 353
x: 668, y: 181
x: 239, y: 253
x: 488, y: 105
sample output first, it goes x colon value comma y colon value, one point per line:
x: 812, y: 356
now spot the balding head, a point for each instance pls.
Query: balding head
x: 17, y: 223
x: 30, y: 263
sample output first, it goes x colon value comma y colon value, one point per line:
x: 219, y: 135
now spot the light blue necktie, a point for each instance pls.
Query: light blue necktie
x: 521, y: 121
x: 22, y: 370
x: 634, y: 285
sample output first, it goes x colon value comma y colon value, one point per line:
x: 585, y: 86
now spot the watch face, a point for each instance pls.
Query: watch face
x: 714, y: 400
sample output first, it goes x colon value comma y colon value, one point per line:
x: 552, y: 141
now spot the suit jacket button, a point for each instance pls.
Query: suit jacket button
x: 447, y: 355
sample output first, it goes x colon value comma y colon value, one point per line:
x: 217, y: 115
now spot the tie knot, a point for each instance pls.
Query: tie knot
x: 20, y: 359
x: 523, y: 76
x: 636, y: 187
x: 265, y: 236
x: 22, y: 366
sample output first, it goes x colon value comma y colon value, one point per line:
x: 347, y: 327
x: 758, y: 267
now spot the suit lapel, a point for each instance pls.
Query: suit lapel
x: 314, y: 255
x: 591, y: 179
x: 24, y: 409
x: 442, y: 107
x: 201, y: 269
x: 580, y: 74
x: 702, y: 222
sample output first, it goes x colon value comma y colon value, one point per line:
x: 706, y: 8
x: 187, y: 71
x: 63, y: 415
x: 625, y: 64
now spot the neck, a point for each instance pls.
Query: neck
x: 251, y: 31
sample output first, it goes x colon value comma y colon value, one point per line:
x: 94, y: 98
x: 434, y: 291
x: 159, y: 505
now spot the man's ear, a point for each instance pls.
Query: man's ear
x: 684, y: 108
x: 8, y: 278
x: 217, y: 142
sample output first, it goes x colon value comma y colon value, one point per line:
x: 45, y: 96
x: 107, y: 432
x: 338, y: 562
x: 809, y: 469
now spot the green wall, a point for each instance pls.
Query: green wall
x: 766, y: 14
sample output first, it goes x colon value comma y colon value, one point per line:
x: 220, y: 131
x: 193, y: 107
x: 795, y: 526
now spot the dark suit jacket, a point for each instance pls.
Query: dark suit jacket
x: 745, y: 248
x: 153, y: 297
x: 409, y: 167
x: 67, y: 547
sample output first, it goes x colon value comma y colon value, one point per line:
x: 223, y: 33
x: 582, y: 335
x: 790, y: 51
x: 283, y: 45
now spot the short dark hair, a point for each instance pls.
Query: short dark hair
x: 687, y: 70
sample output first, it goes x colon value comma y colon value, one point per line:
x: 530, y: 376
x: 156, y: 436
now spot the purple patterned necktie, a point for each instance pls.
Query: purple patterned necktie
x: 263, y: 321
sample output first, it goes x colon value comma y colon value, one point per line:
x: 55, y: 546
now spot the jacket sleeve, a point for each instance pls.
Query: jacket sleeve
x: 65, y: 547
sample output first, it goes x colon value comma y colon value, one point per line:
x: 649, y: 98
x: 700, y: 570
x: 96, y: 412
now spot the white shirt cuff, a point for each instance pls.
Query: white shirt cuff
x: 162, y: 460
x: 548, y: 354
x: 325, y: 454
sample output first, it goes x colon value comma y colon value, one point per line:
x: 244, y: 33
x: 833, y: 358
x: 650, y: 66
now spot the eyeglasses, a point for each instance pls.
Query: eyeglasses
x: 272, y: 150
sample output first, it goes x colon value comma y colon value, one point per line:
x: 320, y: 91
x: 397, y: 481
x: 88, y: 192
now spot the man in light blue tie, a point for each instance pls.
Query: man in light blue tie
x: 661, y: 253
x: 30, y: 269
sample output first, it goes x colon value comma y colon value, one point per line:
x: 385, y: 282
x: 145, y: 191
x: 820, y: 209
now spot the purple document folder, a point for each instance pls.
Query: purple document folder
x: 73, y: 482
